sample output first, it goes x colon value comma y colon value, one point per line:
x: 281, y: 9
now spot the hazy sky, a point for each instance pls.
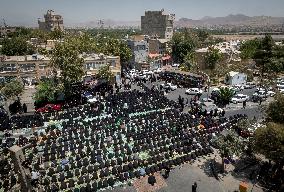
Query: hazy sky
x: 26, y: 12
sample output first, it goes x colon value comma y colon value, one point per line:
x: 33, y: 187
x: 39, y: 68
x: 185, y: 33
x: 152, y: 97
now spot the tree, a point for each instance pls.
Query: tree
x: 269, y: 141
x: 275, y: 109
x: 229, y: 144
x: 105, y: 73
x: 263, y: 56
x: 56, y: 34
x: 212, y: 57
x: 16, y: 46
x: 190, y: 63
x: 13, y: 89
x: 225, y: 95
x: 249, y: 48
x: 45, y: 91
x: 65, y: 57
x: 183, y: 43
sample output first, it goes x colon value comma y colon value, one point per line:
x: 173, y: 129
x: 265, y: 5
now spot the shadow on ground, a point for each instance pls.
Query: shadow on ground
x: 212, y: 168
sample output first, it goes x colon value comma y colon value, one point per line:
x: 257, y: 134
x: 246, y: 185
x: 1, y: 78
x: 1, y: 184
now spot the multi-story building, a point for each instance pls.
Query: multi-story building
x: 32, y: 68
x: 140, y: 52
x: 51, y: 22
x: 157, y: 24
x: 158, y: 46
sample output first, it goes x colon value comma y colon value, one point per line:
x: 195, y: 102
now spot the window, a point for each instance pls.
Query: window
x: 8, y: 68
x: 29, y: 67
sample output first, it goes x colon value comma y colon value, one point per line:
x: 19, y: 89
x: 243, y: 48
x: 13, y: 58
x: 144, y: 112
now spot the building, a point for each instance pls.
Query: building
x: 32, y: 68
x: 93, y: 62
x: 159, y: 46
x: 235, y: 78
x: 5, y: 30
x: 140, y: 52
x: 157, y: 24
x: 51, y: 22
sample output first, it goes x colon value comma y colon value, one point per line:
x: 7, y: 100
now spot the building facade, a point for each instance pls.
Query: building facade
x: 51, y: 22
x: 140, y: 53
x: 158, y: 24
x: 31, y: 68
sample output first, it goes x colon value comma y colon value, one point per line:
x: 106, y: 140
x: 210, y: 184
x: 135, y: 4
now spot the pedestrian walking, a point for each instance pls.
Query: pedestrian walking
x: 244, y: 104
x: 194, y: 187
x: 260, y: 100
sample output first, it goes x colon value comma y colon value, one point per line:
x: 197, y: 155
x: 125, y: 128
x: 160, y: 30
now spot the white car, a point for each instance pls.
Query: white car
x: 159, y: 70
x: 147, y: 72
x: 281, y: 90
x: 175, y: 65
x: 249, y: 85
x: 240, y: 98
x: 91, y: 99
x: 211, y: 107
x: 206, y: 100
x: 238, y: 87
x: 264, y: 93
x: 280, y: 85
x: 193, y: 91
x: 169, y: 86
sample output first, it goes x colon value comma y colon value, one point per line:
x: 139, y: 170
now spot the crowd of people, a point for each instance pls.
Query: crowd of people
x: 182, y: 80
x: 125, y: 135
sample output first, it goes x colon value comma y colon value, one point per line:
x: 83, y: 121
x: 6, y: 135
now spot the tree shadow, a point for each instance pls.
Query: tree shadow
x: 246, y: 169
x: 212, y: 168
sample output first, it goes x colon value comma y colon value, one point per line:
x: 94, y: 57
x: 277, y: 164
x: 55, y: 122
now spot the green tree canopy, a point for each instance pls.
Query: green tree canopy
x: 13, y: 89
x: 212, y: 57
x: 105, y: 73
x: 267, y: 58
x: 183, y: 43
x: 16, y: 46
x: 190, y: 63
x: 45, y: 91
x: 225, y: 95
x: 65, y: 57
x: 269, y: 141
x: 275, y: 110
x: 115, y: 47
x: 249, y: 48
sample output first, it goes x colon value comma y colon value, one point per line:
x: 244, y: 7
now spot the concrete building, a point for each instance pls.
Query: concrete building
x: 140, y: 52
x: 32, y: 68
x: 235, y: 78
x: 157, y: 24
x: 51, y: 22
x: 93, y: 62
x: 158, y: 46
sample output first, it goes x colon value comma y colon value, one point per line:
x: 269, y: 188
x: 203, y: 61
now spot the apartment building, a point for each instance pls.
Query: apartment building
x: 32, y: 68
x: 158, y: 24
x: 51, y: 22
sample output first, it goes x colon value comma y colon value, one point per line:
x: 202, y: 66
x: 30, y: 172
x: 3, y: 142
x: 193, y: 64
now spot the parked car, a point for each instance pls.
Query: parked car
x: 49, y: 108
x: 263, y: 93
x: 208, y: 106
x: 193, y: 91
x: 159, y: 70
x: 240, y: 98
x: 169, y: 86
x: 90, y: 98
x: 249, y: 85
x: 175, y: 65
x: 257, y: 98
x: 281, y: 90
x: 238, y: 87
x: 207, y: 99
x: 147, y: 72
